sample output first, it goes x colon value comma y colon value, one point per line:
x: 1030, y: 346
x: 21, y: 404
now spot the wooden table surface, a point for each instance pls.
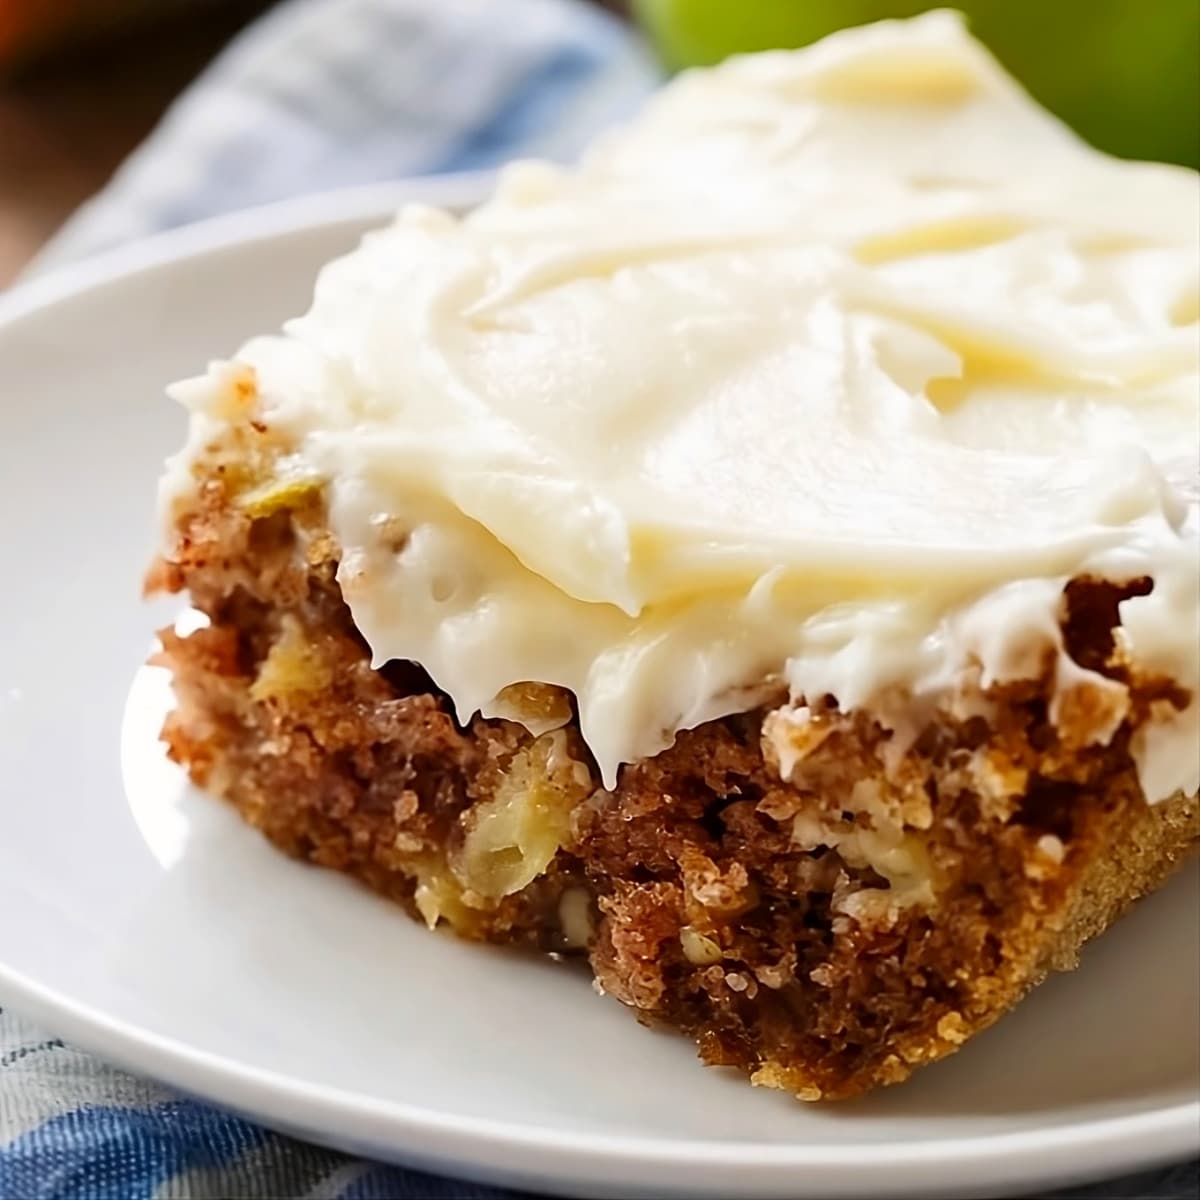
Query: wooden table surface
x: 68, y: 121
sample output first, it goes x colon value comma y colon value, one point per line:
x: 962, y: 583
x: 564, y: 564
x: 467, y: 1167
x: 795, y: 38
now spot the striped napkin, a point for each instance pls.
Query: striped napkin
x: 322, y: 94
x: 318, y: 94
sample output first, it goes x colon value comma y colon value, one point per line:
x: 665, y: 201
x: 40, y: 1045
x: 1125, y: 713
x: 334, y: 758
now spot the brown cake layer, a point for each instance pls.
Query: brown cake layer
x: 826, y: 934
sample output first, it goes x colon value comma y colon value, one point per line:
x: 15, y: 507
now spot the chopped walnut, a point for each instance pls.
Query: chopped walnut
x: 698, y: 948
x: 1088, y: 710
x: 540, y: 707
x: 711, y: 892
x: 575, y: 918
x: 952, y: 1028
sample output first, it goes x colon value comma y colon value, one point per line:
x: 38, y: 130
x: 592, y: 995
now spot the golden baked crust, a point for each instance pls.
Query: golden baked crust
x: 827, y: 934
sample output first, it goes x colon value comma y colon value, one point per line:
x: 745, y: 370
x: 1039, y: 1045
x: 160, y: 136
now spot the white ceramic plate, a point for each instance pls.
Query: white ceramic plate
x: 145, y: 922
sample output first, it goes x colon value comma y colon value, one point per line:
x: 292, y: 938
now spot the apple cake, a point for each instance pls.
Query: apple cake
x: 761, y: 560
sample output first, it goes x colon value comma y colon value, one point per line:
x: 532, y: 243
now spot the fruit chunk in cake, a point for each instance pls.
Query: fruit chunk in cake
x: 761, y: 559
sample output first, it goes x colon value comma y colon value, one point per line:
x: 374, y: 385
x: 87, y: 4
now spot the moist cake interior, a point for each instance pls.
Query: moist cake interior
x: 760, y: 560
x: 814, y: 962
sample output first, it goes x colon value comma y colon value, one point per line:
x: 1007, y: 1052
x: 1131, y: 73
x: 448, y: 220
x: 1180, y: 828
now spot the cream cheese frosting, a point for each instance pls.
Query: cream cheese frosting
x: 829, y: 371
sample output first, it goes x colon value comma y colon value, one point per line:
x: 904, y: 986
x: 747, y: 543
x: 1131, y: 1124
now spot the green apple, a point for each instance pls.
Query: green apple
x: 1124, y: 73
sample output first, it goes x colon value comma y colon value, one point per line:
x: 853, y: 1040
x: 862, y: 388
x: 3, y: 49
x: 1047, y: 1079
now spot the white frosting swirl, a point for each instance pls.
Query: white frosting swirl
x: 834, y: 368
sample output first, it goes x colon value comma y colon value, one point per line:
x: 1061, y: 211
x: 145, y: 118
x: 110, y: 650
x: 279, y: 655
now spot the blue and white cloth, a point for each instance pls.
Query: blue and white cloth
x: 322, y: 94
x: 318, y: 94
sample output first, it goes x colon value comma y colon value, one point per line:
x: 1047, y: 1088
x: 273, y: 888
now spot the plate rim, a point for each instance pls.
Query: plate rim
x: 36, y: 288
x: 1111, y: 1144
x: 491, y: 1148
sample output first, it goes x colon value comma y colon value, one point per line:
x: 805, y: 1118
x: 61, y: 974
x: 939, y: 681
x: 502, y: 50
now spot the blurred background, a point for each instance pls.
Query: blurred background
x: 83, y: 82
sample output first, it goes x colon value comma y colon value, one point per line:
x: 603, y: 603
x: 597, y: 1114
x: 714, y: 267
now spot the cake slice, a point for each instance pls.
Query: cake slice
x: 762, y: 560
